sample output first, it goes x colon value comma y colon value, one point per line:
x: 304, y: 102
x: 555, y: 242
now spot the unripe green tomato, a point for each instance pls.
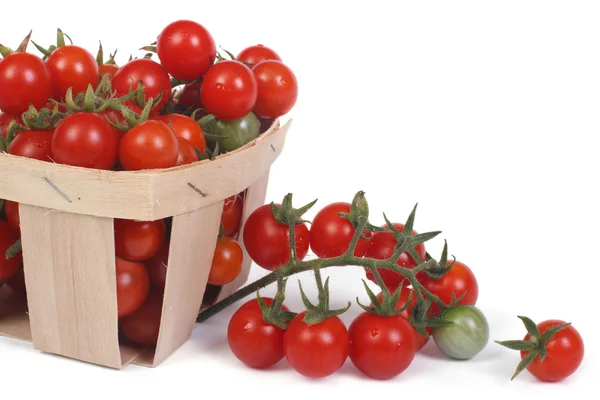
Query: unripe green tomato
x: 235, y: 133
x: 466, y: 336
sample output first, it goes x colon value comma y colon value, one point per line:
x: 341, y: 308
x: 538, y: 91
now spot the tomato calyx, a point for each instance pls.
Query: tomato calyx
x: 60, y: 42
x: 13, y: 250
x: 535, y: 345
x: 11, y: 132
x: 386, y: 307
x: 276, y: 314
x: 320, y: 312
x: 100, y: 57
x: 286, y: 212
x: 6, y: 51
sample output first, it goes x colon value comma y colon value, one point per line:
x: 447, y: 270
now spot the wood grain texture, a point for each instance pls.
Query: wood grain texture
x: 255, y: 197
x: 69, y: 267
x: 140, y: 195
x: 193, y: 240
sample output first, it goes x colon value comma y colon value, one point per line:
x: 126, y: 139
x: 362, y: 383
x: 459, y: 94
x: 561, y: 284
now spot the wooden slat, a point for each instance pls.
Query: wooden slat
x: 70, y: 275
x: 193, y: 241
x: 141, y: 195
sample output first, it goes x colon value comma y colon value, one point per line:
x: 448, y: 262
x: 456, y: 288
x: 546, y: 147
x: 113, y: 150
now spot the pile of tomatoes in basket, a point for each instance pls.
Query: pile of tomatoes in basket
x: 67, y: 106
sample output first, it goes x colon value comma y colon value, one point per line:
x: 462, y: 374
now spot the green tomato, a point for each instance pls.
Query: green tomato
x: 468, y: 334
x: 232, y: 135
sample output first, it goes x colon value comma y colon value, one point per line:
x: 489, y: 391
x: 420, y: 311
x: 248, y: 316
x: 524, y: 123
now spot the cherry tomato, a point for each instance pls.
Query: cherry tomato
x: 382, y: 248
x: 186, y: 49
x: 109, y: 69
x: 231, y: 218
x: 6, y: 120
x: 277, y: 89
x: 115, y: 117
x: 382, y: 347
x: 8, y: 237
x: 466, y: 335
x: 139, y: 240
x: 151, y: 144
x: 157, y: 266
x: 331, y: 234
x: 32, y: 144
x: 231, y: 135
x: 133, y: 285
x: 252, y: 55
x: 143, y: 325
x: 17, y: 282
x: 458, y: 280
x: 72, y: 67
x: 267, y: 241
x: 154, y: 77
x: 11, y: 209
x: 187, y: 153
x: 85, y: 139
x: 319, y: 350
x: 229, y: 90
x: 189, y: 96
x: 24, y: 80
x: 186, y: 128
x: 227, y: 262
x: 565, y: 353
x: 253, y: 341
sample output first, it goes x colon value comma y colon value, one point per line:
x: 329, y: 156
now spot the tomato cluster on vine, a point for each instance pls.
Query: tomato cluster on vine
x: 66, y: 106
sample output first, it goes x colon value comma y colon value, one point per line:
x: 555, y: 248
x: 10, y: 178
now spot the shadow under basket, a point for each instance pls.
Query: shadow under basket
x: 67, y: 231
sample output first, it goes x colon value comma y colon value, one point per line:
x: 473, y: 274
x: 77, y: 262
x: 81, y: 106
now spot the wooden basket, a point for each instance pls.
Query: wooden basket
x: 69, y: 250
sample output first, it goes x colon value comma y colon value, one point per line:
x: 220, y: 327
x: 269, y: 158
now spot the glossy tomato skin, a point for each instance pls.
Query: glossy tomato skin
x: 143, y: 325
x: 186, y: 128
x: 466, y: 336
x: 252, y: 55
x: 331, y: 234
x: 157, y: 266
x: 382, y: 247
x: 189, y: 97
x: 458, y: 280
x: 187, y: 154
x: 8, y: 237
x: 24, y: 79
x: 11, y: 209
x: 381, y: 347
x: 139, y: 240
x: 565, y: 353
x: 267, y: 241
x: 133, y: 285
x: 85, y: 139
x: 33, y: 144
x: 149, y: 145
x: 229, y: 90
x: 186, y: 49
x: 227, y: 262
x: 109, y: 69
x: 319, y: 350
x: 231, y: 218
x: 115, y: 117
x: 72, y: 67
x: 155, y: 78
x: 236, y: 133
x: 253, y: 341
x: 277, y: 89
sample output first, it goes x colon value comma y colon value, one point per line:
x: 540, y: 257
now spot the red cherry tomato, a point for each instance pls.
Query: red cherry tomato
x: 277, y: 89
x: 267, y: 241
x: 8, y: 237
x: 186, y: 128
x: 32, y: 144
x: 187, y: 153
x: 252, y: 55
x: 115, y: 117
x: 186, y: 49
x: 157, y: 266
x: 331, y: 234
x: 11, y: 209
x: 138, y: 240
x: 460, y: 279
x: 231, y: 218
x: 253, y: 341
x: 154, y: 77
x: 143, y: 325
x: 229, y: 90
x: 85, y: 139
x: 189, y: 96
x: 24, y: 80
x: 133, y: 285
x: 382, y: 347
x: 382, y: 247
x: 149, y: 145
x: 72, y: 67
x: 319, y: 350
x: 109, y: 69
x: 565, y: 353
x: 227, y: 262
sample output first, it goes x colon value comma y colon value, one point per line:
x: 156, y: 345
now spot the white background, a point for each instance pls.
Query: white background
x: 484, y: 113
